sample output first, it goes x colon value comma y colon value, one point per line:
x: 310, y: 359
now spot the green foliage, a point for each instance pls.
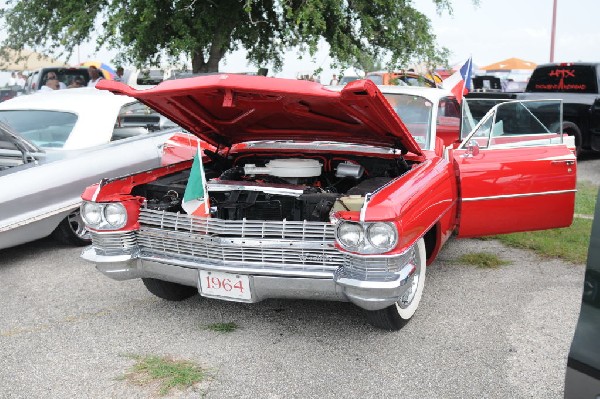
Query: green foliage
x: 167, y: 372
x: 483, y: 260
x: 150, y: 32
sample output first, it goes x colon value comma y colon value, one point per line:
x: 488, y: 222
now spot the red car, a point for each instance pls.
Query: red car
x: 344, y: 194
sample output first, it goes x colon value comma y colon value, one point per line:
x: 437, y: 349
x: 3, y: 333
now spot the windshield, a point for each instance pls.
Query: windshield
x: 415, y: 112
x: 49, y: 129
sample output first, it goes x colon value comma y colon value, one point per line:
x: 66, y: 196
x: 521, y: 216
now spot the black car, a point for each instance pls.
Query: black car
x: 583, y: 366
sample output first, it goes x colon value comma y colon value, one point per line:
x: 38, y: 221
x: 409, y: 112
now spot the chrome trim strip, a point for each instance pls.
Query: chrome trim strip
x: 517, y: 195
x: 220, y: 187
x: 235, y: 267
x: 65, y: 208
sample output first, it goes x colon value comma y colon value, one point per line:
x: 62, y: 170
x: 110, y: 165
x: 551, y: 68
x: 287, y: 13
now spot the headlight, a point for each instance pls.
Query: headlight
x: 91, y: 213
x: 367, y: 237
x: 115, y: 215
x: 350, y: 235
x: 382, y: 236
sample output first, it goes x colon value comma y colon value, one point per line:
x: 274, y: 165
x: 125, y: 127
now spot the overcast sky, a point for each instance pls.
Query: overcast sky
x: 493, y: 31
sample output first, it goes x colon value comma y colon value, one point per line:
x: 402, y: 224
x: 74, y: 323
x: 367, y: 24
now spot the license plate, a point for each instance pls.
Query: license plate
x: 225, y: 285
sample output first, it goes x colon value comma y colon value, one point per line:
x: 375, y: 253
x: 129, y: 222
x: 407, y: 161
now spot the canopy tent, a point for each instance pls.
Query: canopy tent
x: 26, y: 60
x: 509, y: 65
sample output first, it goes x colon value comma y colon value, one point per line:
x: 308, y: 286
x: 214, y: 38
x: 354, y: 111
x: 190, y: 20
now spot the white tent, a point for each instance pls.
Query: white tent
x: 26, y: 60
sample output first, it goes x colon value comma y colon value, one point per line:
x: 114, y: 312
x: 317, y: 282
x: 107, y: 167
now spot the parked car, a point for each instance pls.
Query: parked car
x: 347, y: 79
x: 37, y: 79
x: 342, y: 193
x: 577, y: 84
x: 582, y: 379
x: 402, y: 78
x: 53, y: 145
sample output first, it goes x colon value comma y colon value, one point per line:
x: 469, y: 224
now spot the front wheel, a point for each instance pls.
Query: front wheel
x: 168, y: 290
x: 394, y: 317
x: 72, y: 230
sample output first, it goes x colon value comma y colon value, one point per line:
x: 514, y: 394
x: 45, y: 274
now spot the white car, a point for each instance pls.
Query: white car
x: 54, y: 144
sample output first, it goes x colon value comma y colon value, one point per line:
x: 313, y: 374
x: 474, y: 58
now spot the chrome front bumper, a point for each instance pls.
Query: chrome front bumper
x: 340, y: 285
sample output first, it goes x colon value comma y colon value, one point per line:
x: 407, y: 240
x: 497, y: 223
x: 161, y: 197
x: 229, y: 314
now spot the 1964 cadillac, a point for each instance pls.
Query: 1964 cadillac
x: 317, y: 193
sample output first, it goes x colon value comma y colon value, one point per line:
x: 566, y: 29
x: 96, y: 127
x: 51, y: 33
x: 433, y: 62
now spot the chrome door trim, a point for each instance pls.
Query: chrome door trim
x: 507, y: 196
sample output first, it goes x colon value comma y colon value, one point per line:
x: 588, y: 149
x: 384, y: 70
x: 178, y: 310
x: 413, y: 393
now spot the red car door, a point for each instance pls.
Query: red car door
x: 515, y: 174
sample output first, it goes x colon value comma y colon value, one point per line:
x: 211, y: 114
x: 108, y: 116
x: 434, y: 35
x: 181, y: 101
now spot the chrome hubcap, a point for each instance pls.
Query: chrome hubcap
x: 409, y: 295
x: 77, y: 226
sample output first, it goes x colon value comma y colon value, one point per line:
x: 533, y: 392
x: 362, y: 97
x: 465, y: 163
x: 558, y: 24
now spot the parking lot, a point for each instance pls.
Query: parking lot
x: 66, y: 332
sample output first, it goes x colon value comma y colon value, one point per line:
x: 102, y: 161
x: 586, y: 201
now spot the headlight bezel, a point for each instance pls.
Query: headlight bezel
x: 104, y: 223
x: 366, y: 245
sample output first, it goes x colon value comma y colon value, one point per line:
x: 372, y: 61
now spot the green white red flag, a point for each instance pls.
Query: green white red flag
x: 195, y: 199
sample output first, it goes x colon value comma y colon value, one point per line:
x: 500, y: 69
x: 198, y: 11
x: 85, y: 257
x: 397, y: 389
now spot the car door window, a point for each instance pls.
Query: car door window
x: 518, y: 124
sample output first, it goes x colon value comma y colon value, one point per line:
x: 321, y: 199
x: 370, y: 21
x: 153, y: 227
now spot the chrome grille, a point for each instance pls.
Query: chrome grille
x: 266, y: 245
x: 312, y: 231
x: 114, y: 243
x: 273, y: 246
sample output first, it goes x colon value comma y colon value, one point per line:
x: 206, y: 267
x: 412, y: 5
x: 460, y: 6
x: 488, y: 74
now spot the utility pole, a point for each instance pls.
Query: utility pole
x: 553, y: 32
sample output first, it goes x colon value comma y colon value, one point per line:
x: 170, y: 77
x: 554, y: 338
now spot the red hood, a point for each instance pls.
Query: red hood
x: 229, y: 109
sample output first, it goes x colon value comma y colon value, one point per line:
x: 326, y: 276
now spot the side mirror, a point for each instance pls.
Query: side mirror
x: 472, y: 149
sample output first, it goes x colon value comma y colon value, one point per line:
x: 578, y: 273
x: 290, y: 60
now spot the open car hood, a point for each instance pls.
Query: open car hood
x: 228, y: 109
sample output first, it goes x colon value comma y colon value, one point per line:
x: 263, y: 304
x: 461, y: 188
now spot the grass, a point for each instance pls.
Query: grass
x: 585, y: 200
x: 570, y: 243
x: 223, y: 327
x: 168, y: 373
x: 483, y: 260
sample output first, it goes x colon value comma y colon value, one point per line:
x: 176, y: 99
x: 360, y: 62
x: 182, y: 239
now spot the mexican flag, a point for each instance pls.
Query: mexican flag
x: 195, y: 199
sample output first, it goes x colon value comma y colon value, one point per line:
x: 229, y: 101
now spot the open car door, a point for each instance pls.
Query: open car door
x: 515, y: 172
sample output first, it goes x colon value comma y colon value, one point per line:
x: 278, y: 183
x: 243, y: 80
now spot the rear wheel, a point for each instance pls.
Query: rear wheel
x: 168, y: 290
x: 394, y: 317
x: 571, y: 129
x: 72, y: 230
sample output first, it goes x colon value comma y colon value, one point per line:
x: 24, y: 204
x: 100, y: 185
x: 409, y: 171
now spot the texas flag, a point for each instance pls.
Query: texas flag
x: 195, y: 199
x: 459, y: 83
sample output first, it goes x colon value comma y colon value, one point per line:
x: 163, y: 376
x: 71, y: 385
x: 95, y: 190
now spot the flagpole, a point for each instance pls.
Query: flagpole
x: 553, y: 32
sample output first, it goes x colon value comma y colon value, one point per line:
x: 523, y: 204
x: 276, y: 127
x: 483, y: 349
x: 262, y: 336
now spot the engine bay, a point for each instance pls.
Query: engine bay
x: 275, y: 187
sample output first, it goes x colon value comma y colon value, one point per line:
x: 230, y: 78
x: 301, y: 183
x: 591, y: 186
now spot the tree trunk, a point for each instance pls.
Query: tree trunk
x: 198, y: 63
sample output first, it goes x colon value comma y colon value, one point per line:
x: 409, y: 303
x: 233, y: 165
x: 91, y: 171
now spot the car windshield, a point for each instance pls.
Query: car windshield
x: 415, y: 112
x: 49, y: 129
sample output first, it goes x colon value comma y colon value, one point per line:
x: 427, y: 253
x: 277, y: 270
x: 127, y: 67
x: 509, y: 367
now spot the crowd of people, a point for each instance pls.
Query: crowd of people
x: 17, y: 79
x: 52, y: 81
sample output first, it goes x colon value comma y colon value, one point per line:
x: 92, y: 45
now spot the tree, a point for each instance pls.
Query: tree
x: 149, y: 32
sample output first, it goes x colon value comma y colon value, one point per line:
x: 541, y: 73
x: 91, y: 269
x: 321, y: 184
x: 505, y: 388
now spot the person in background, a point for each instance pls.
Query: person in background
x: 334, y: 80
x: 21, y: 80
x: 77, y: 82
x: 52, y: 76
x: 51, y: 84
x: 95, y: 76
x: 13, y: 79
x: 119, y: 76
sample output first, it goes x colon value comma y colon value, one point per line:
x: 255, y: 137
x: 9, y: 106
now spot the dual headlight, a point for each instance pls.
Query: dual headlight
x: 109, y: 216
x: 368, y: 238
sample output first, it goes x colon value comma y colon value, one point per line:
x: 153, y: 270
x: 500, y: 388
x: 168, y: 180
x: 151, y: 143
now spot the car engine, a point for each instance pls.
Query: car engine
x: 295, y: 188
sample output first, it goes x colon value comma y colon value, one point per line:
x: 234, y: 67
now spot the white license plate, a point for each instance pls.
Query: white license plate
x: 226, y: 285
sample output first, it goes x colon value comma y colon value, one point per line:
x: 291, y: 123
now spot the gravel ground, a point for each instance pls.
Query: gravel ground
x: 588, y: 167
x: 503, y: 333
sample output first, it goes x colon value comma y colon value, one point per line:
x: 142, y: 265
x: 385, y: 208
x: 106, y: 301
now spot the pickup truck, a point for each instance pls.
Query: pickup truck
x: 577, y: 85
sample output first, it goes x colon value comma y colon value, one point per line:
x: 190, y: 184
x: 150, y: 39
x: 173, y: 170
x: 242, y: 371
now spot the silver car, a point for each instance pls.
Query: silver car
x: 54, y: 144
